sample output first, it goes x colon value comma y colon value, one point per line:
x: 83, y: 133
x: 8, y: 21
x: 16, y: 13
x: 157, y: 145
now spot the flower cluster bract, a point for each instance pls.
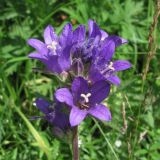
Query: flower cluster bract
x: 85, y: 58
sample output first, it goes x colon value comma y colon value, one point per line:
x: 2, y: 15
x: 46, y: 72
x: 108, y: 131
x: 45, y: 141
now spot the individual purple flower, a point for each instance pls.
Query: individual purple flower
x: 84, y: 99
x: 53, y: 113
x: 95, y: 31
x: 83, y: 47
x: 96, y: 38
x: 55, y: 51
x: 103, y: 68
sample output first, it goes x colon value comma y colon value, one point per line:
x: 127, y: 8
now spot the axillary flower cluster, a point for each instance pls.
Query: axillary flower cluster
x: 85, y: 60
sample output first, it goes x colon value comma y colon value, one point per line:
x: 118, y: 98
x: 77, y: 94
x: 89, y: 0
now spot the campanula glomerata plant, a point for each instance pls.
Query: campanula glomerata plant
x: 83, y: 59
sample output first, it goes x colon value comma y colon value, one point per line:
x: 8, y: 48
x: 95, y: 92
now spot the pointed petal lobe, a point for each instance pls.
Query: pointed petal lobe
x: 64, y: 95
x: 37, y: 44
x: 99, y: 91
x: 120, y: 65
x: 77, y: 116
x: 103, y: 35
x: 118, y: 40
x: 101, y: 112
x: 79, y: 34
x: 114, y: 79
x: 93, y: 29
x: 66, y: 35
x: 35, y: 55
x: 42, y: 105
x: 49, y: 35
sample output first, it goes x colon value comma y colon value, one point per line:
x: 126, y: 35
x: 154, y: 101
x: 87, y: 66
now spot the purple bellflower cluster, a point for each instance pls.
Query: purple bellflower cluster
x: 85, y: 60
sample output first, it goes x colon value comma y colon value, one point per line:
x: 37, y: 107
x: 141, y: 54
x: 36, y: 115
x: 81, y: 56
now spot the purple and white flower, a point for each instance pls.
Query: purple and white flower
x: 75, y: 51
x: 102, y: 66
x: 55, y: 51
x: 84, y: 99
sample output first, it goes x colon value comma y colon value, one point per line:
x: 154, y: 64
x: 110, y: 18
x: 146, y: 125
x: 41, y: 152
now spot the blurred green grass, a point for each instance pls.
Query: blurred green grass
x: 22, y: 139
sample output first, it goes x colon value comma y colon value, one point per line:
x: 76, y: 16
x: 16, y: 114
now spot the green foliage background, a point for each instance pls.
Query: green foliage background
x: 22, y: 139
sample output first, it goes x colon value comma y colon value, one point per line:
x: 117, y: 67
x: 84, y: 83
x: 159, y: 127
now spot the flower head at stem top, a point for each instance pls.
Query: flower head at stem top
x: 73, y: 50
x: 84, y: 99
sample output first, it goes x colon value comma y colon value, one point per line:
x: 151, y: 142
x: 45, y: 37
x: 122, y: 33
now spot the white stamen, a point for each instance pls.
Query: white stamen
x: 86, y: 97
x: 34, y: 104
x: 52, y: 46
x: 110, y: 66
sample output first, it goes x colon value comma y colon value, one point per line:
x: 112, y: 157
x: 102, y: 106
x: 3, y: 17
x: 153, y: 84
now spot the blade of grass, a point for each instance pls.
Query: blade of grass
x: 106, y: 139
x: 36, y: 135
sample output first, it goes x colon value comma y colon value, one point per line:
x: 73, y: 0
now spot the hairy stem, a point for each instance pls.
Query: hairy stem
x: 75, y: 144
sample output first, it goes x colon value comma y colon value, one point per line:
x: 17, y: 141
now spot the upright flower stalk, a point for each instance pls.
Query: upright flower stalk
x: 75, y: 143
x: 84, y: 63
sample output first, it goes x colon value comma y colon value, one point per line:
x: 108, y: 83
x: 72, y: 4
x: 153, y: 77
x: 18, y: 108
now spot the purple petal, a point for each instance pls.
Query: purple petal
x: 123, y: 41
x: 90, y: 26
x: 53, y: 64
x: 118, y: 40
x: 95, y: 75
x: 114, y: 79
x: 35, y: 55
x: 64, y: 95
x: 99, y: 91
x: 93, y: 29
x: 120, y: 65
x: 49, y: 35
x: 37, y: 44
x: 64, y: 59
x: 108, y: 49
x: 79, y: 34
x: 42, y: 105
x: 77, y: 116
x: 61, y: 119
x: 66, y: 35
x: 79, y: 86
x: 103, y: 35
x: 101, y: 112
x: 64, y: 63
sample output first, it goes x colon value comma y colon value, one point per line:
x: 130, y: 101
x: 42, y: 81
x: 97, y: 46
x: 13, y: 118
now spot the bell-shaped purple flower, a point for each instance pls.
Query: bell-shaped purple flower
x: 84, y: 45
x: 53, y: 113
x: 102, y: 67
x: 55, y: 51
x: 84, y: 99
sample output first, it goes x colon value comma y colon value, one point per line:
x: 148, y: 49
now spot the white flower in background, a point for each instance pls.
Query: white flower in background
x: 79, y: 142
x: 34, y: 104
x: 118, y: 143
